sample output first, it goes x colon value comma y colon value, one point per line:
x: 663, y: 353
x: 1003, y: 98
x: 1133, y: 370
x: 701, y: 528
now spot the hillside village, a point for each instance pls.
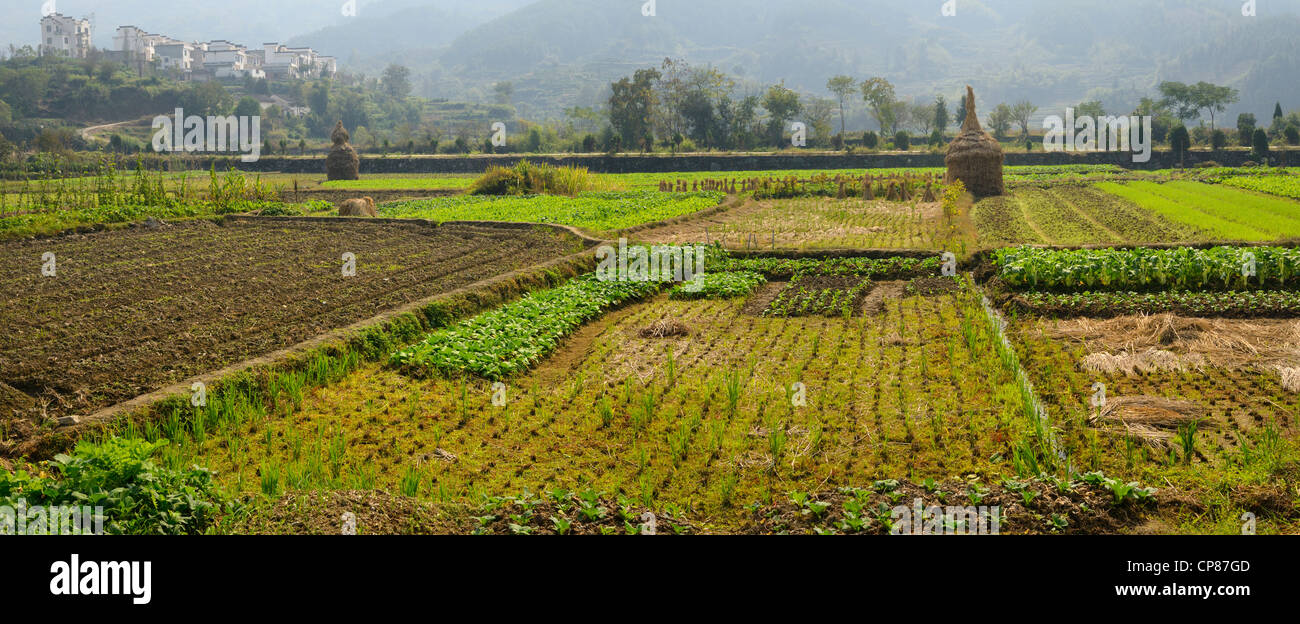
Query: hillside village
x: 218, y: 59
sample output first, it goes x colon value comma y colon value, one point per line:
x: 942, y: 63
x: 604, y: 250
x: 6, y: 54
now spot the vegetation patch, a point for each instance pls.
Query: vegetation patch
x: 595, y: 211
x: 719, y: 286
x: 513, y: 338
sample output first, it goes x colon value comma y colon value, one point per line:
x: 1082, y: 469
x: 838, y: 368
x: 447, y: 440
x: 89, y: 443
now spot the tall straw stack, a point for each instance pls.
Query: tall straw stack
x: 975, y: 157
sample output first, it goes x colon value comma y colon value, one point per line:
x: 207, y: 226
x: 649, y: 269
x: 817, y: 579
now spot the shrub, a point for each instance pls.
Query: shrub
x: 526, y: 178
x: 902, y: 141
x: 870, y: 139
x: 138, y: 497
x: 1292, y: 135
x: 1218, y: 140
x: 1259, y: 143
x: 1180, y: 142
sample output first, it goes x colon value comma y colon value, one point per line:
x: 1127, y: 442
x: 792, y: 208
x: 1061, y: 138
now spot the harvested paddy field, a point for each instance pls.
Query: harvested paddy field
x: 130, y: 311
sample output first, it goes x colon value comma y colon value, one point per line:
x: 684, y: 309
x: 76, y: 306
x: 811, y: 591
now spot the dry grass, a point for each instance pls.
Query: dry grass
x: 1153, y: 420
x: 664, y: 328
x: 1165, y: 342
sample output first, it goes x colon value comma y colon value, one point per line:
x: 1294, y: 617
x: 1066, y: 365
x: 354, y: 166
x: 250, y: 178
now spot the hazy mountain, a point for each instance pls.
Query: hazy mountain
x: 398, y: 30
x: 558, y: 53
x: 1053, y: 53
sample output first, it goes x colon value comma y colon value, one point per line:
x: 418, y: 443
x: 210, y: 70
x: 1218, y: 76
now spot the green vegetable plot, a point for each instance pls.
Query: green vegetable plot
x: 1183, y: 268
x: 514, y: 337
x: 718, y: 286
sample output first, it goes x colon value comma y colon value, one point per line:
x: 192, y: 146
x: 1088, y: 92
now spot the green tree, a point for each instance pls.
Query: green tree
x: 941, y: 115
x: 632, y: 106
x: 842, y: 87
x: 1277, y: 111
x: 1213, y: 98
x: 397, y: 81
x: 1000, y: 120
x: 206, y: 98
x: 1259, y: 147
x: 248, y: 107
x: 1021, y: 112
x: 1180, y: 142
x: 1181, y: 99
x: 1245, y: 128
x: 878, y: 93
x: 781, y: 105
x: 1090, y: 109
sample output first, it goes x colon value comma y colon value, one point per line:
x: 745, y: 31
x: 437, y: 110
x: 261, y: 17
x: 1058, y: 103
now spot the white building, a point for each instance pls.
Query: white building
x: 220, y: 59
x: 64, y: 36
x: 223, y: 59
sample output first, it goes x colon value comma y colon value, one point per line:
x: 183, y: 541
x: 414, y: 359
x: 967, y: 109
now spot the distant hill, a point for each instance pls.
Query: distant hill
x: 559, y: 53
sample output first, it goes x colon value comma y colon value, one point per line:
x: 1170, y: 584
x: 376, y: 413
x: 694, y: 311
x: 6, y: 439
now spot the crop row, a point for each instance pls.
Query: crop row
x: 1183, y: 268
x: 1250, y: 303
x: 818, y: 295
x: 719, y: 286
x: 514, y: 337
x: 875, y: 268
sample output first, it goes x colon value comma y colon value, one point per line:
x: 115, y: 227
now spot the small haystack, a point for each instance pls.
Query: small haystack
x: 975, y: 157
x: 363, y: 207
x: 342, y: 162
x: 665, y: 328
x: 1154, y: 420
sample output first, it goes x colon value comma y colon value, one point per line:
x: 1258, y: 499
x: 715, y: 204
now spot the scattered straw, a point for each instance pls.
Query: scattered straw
x: 1154, y: 420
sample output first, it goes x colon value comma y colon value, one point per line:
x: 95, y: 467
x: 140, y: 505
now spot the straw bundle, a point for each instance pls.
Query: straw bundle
x: 975, y: 157
x: 342, y: 162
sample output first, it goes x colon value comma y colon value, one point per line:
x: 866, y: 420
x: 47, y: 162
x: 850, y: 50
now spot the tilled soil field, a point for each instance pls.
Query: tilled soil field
x: 131, y: 311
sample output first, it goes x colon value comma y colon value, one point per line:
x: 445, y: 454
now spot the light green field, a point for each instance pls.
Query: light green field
x: 1220, y: 211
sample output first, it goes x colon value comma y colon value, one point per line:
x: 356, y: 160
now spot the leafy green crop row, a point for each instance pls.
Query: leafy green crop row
x: 1183, y: 268
x: 602, y: 211
x: 514, y: 337
x: 719, y: 286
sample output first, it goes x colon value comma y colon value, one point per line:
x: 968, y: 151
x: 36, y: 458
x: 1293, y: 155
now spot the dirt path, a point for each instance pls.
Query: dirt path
x: 90, y: 133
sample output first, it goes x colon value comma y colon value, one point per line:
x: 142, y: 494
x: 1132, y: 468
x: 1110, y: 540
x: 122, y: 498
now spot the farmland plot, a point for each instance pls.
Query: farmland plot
x: 596, y: 211
x: 1072, y: 215
x: 192, y: 298
x: 1221, y: 212
x: 812, y: 223
x: 1202, y: 405
x: 739, y: 409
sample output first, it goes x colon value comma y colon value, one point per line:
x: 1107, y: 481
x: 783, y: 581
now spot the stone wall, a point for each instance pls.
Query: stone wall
x: 735, y: 162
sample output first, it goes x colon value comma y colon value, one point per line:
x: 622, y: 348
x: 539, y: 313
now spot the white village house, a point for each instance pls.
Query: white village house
x: 64, y: 36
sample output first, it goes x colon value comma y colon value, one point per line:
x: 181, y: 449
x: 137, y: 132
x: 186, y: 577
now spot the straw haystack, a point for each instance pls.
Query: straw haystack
x: 342, y: 162
x: 975, y: 157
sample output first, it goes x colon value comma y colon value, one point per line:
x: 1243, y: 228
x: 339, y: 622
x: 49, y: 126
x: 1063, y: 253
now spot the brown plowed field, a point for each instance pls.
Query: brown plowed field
x: 134, y: 310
